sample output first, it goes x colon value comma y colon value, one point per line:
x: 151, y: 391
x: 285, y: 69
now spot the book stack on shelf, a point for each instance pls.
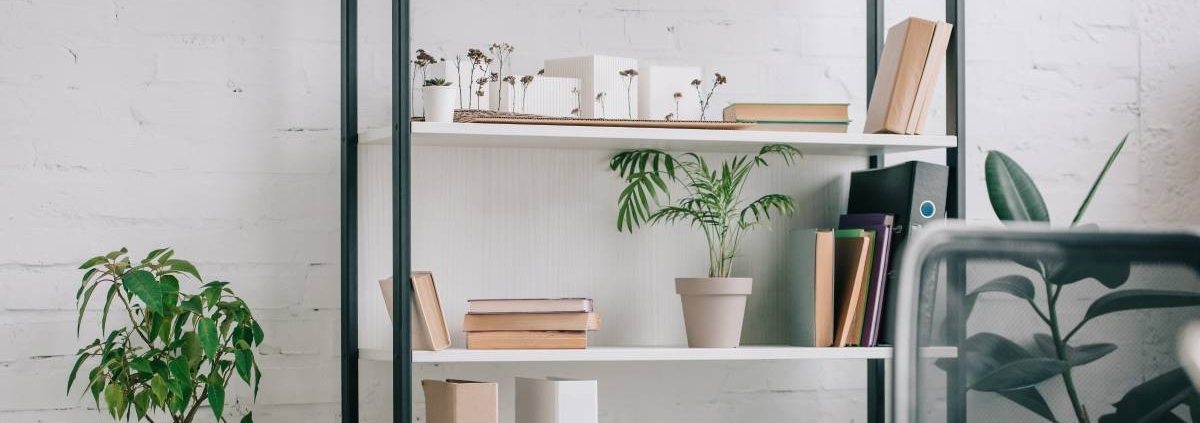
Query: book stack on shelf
x: 797, y: 117
x: 841, y: 277
x: 562, y: 323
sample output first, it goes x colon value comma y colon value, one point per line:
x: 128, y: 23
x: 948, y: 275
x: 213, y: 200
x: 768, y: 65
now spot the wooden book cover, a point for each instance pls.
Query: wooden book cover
x: 810, y: 277
x: 531, y: 321
x: 900, y: 67
x: 819, y: 112
x: 860, y: 315
x: 527, y: 340
x: 850, y: 258
x: 929, y: 77
x: 429, y: 331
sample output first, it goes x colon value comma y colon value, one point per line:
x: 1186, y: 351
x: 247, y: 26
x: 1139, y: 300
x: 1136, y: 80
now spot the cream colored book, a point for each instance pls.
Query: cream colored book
x: 527, y: 340
x: 429, y: 333
x: 531, y: 321
x: 850, y: 271
x: 898, y: 77
x: 929, y: 77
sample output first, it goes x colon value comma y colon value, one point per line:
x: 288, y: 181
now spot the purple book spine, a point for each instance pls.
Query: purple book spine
x: 883, y: 238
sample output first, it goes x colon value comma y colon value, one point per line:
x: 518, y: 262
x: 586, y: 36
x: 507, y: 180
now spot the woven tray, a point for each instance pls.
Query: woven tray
x: 485, y: 116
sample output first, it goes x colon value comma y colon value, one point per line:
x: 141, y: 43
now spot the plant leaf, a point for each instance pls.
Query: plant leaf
x: 181, y: 266
x: 142, y: 284
x: 248, y: 418
x: 1134, y: 299
x: 1076, y: 356
x: 1112, y: 157
x: 1112, y: 273
x: 158, y: 387
x: 207, y: 333
x: 216, y: 399
x: 258, y: 333
x: 92, y: 262
x: 87, y: 297
x: 1019, y: 374
x: 75, y: 370
x: 190, y: 347
x: 1015, y: 285
x: 114, y: 399
x: 244, y: 360
x: 1152, y: 401
x: 1013, y: 194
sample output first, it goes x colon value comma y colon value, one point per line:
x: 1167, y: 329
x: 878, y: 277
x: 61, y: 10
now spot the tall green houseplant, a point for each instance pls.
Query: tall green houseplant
x: 713, y: 307
x: 175, y: 351
x: 996, y: 364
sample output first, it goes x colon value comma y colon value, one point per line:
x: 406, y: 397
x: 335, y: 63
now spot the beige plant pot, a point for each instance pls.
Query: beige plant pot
x: 713, y: 309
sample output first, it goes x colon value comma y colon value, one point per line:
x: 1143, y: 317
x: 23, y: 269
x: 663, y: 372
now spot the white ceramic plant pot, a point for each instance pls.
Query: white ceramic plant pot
x: 713, y: 309
x: 439, y: 103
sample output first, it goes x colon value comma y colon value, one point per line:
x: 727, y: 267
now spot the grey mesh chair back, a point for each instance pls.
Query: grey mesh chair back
x: 1045, y: 326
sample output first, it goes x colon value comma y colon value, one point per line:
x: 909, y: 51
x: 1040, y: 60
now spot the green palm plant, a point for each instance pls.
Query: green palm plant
x: 714, y: 202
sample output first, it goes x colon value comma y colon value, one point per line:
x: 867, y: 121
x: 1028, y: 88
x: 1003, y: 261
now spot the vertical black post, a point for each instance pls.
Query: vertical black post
x: 876, y: 374
x: 402, y: 216
x: 956, y: 158
x: 349, y: 210
x: 874, y: 50
x: 876, y: 388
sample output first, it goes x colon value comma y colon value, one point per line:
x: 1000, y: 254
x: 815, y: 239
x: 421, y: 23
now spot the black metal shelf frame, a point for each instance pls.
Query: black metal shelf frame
x: 401, y: 194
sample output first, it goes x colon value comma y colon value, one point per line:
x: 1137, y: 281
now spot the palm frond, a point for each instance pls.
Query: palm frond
x: 787, y: 152
x: 760, y: 209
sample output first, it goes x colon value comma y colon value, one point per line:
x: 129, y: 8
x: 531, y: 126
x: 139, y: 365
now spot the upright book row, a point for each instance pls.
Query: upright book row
x: 843, y: 279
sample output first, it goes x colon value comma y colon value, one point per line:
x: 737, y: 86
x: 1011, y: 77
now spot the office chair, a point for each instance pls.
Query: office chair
x: 1040, y: 325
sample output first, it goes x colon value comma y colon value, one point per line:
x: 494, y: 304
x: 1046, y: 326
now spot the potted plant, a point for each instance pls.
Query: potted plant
x: 177, y: 350
x: 713, y: 306
x: 438, y: 96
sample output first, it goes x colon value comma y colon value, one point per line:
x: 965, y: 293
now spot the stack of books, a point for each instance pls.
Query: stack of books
x: 908, y: 71
x: 561, y: 323
x: 839, y: 278
x: 794, y: 117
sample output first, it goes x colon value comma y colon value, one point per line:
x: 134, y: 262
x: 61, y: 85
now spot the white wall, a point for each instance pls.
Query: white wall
x: 211, y: 126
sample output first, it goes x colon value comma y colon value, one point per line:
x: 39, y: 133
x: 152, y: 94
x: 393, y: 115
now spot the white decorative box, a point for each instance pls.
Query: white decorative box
x: 557, y: 400
x: 600, y: 75
x: 657, y: 88
x: 544, y: 95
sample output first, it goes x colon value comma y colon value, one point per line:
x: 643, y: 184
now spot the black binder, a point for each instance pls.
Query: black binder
x: 915, y: 193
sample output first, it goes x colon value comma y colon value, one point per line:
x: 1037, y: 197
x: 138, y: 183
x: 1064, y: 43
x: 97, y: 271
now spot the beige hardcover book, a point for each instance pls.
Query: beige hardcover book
x: 832, y: 128
x: 929, y: 77
x: 461, y: 401
x: 899, y: 74
x: 850, y: 262
x: 824, y: 288
x: 811, y: 112
x: 527, y: 340
x: 531, y: 321
x: 429, y: 333
x: 861, y: 310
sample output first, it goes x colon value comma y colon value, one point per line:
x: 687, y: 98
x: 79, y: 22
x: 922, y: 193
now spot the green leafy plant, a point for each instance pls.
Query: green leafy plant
x: 996, y: 364
x: 714, y: 202
x: 437, y: 82
x: 176, y: 352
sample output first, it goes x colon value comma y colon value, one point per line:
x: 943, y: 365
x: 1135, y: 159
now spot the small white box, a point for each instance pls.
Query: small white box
x: 600, y: 75
x: 657, y: 88
x: 557, y: 400
x: 544, y: 95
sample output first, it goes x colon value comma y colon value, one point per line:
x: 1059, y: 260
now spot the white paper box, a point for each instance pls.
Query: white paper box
x: 657, y: 89
x: 600, y: 74
x: 545, y: 96
x: 557, y: 400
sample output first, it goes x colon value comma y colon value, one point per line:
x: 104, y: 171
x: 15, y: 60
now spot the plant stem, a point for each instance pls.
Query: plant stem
x: 1060, y: 349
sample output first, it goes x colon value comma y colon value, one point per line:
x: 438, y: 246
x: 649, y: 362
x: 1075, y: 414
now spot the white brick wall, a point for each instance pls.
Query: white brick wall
x: 215, y: 124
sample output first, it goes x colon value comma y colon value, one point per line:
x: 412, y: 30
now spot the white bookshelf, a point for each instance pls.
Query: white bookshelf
x: 598, y: 354
x: 617, y: 138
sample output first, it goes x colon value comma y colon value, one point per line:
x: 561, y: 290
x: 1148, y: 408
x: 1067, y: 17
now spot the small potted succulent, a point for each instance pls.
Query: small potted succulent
x: 713, y: 306
x: 438, y: 95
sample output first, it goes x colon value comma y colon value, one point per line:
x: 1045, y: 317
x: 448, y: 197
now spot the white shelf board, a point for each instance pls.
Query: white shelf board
x: 618, y: 138
x: 459, y: 355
